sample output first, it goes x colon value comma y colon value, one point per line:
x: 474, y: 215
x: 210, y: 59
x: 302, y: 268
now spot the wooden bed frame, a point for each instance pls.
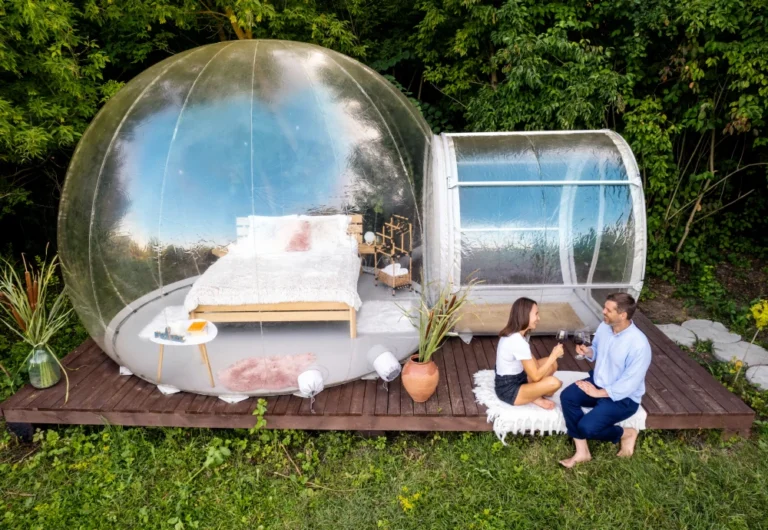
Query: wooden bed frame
x: 287, y: 311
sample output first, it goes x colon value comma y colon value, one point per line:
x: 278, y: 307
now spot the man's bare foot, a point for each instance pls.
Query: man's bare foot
x: 628, y: 440
x: 575, y: 459
x: 544, y: 403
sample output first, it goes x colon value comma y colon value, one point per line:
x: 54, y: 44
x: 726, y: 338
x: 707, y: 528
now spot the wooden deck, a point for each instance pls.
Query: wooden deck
x: 680, y: 395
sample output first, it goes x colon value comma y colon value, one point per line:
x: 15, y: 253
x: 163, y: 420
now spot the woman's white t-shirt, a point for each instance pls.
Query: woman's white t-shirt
x: 512, y: 349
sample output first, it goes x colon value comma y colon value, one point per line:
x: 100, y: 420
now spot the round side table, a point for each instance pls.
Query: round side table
x: 190, y: 340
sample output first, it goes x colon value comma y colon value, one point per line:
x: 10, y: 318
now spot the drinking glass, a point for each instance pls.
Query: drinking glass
x: 582, y: 338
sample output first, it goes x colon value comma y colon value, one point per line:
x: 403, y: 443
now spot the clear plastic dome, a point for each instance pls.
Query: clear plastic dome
x: 558, y: 217
x: 236, y: 183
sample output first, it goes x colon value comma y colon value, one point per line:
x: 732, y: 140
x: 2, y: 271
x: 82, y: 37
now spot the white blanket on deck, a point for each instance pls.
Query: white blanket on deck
x: 521, y: 419
x: 238, y: 279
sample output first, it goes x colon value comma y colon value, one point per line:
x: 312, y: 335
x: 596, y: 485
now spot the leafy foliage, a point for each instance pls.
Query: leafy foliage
x: 685, y: 83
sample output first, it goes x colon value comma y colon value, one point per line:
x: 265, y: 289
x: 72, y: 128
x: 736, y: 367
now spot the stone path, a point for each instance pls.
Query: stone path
x: 726, y: 346
x: 714, y: 331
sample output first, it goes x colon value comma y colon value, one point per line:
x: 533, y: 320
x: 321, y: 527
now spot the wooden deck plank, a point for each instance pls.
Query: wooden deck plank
x: 687, y: 386
x: 133, y: 400
x: 345, y: 399
x: 451, y: 373
x: 222, y: 407
x: 669, y: 382
x: 247, y: 406
x: 196, y: 405
x: 281, y: 405
x: 369, y: 402
x: 80, y: 369
x: 656, y: 399
x: 107, y: 403
x: 480, y: 359
x: 182, y: 404
x: 98, y: 380
x: 358, y: 396
x: 320, y: 402
x: 293, y: 406
x: 490, y: 352
x: 382, y: 398
x: 393, y: 399
x: 28, y: 393
x: 679, y: 394
x: 443, y: 392
x: 465, y: 379
x: 333, y: 400
x: 406, y: 403
x: 471, y: 361
x: 271, y: 404
x: 431, y: 407
x: 157, y: 401
x: 319, y: 406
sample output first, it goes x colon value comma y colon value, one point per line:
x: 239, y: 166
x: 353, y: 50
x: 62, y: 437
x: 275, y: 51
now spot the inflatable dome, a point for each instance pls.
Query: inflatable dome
x: 556, y: 216
x: 246, y: 213
x: 263, y: 217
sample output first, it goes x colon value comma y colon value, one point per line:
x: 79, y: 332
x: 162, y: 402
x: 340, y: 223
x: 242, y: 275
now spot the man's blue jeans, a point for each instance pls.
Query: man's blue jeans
x: 600, y: 422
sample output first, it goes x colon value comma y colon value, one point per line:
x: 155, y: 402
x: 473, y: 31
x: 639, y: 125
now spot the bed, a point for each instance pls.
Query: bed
x: 284, y: 269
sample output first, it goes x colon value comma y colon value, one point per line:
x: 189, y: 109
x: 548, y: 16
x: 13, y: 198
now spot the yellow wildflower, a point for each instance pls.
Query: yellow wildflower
x: 760, y: 314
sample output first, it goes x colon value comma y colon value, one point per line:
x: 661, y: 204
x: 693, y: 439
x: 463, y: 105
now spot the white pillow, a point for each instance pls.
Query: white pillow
x: 329, y: 232
x: 265, y: 234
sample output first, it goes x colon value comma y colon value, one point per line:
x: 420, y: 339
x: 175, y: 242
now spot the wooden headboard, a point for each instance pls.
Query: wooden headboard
x: 356, y: 226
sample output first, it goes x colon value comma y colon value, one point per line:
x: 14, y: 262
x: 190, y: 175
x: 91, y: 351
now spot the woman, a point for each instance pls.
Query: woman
x: 521, y: 379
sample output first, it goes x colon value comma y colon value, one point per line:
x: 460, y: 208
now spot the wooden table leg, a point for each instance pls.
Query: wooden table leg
x: 204, y: 353
x: 160, y: 364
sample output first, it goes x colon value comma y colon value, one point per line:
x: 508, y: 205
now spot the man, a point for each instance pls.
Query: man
x: 614, y: 388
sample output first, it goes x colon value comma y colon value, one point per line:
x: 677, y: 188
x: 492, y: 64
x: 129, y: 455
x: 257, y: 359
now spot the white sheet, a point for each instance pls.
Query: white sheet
x: 531, y: 418
x: 244, y: 278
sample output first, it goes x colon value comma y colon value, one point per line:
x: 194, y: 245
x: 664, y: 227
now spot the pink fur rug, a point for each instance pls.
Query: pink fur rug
x: 265, y: 373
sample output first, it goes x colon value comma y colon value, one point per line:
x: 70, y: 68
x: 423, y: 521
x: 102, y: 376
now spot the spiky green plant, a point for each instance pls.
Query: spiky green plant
x: 24, y: 306
x: 435, y: 323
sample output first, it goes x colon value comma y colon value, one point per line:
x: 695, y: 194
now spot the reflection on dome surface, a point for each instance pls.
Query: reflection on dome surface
x: 244, y: 174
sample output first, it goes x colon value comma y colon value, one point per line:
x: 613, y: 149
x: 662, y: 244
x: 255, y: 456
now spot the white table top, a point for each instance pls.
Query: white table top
x: 190, y: 340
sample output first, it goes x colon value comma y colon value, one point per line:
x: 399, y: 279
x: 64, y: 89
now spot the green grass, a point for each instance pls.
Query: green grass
x: 186, y: 478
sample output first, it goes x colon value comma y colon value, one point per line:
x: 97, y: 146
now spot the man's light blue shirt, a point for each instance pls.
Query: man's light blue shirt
x: 622, y: 359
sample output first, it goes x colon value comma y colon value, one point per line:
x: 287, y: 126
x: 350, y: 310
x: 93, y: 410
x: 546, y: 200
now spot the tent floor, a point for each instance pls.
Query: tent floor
x: 680, y: 395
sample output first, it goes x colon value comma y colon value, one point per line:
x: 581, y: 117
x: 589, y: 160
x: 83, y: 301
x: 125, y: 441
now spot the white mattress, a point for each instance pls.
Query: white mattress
x: 240, y: 278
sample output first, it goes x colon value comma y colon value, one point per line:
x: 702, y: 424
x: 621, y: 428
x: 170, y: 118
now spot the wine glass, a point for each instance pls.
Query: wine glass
x: 582, y: 338
x: 562, y: 336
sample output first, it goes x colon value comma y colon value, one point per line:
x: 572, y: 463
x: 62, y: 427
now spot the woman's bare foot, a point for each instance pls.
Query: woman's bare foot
x: 628, y: 440
x: 576, y: 459
x: 544, y: 403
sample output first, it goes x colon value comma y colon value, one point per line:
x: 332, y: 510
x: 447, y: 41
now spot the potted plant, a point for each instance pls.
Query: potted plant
x: 26, y: 310
x: 420, y: 373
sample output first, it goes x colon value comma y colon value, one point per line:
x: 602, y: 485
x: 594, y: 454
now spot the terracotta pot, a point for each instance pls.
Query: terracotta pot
x: 420, y: 379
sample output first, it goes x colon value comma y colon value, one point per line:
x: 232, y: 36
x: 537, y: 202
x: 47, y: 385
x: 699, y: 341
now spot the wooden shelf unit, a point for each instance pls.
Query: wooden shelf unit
x: 396, y: 242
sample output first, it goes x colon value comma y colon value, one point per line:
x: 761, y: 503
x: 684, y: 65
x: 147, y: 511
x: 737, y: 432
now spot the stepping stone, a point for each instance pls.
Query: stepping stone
x: 755, y: 355
x: 758, y: 376
x: 714, y: 331
x: 678, y: 334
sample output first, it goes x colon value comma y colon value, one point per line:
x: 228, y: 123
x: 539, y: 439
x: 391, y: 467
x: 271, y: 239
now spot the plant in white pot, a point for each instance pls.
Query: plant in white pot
x: 420, y: 373
x: 26, y: 310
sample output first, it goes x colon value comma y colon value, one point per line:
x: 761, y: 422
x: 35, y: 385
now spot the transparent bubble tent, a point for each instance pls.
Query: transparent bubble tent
x: 263, y: 217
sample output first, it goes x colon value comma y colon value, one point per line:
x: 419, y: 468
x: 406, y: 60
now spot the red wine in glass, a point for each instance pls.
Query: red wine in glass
x: 581, y: 338
x: 562, y: 336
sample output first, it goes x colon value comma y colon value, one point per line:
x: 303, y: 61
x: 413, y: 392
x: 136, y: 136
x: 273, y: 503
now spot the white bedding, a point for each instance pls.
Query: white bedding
x: 312, y: 276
